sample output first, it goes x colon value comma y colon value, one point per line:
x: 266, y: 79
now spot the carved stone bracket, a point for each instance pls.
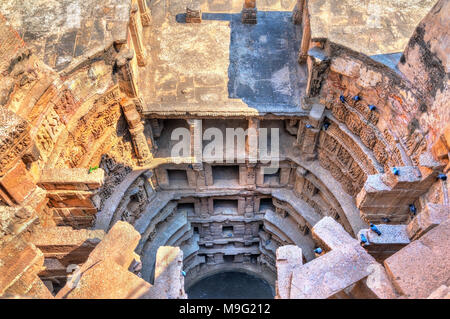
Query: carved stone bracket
x: 136, y: 129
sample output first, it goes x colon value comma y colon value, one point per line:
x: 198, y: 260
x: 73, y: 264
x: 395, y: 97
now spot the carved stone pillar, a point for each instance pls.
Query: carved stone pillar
x: 306, y: 37
x: 140, y: 145
x: 285, y: 173
x: 297, y: 14
x: 249, y: 12
x: 249, y: 207
x: 146, y: 17
x: 127, y: 81
x: 252, y: 140
x: 195, y: 128
x: 218, y: 258
x: 204, y: 204
x: 311, y: 130
x: 136, y: 35
x: 309, y: 141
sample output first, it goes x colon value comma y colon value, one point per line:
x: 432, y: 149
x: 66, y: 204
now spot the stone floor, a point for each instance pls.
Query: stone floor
x: 222, y: 64
x: 371, y: 27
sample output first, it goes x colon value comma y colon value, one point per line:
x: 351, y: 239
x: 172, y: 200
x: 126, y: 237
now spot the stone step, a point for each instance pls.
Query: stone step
x: 392, y: 239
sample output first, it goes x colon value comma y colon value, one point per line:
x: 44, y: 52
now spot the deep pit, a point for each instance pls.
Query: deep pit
x: 231, y: 285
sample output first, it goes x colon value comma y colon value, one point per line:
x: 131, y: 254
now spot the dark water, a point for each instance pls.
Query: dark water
x: 230, y: 285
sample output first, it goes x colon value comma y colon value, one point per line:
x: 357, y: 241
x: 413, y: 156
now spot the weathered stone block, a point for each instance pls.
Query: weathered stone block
x: 430, y: 217
x: 18, y: 183
x: 66, y: 244
x: 106, y: 280
x: 331, y: 235
x: 323, y: 277
x: 390, y: 235
x: 408, y: 178
x: 287, y: 258
x: 392, y: 239
x: 71, y: 178
x: 16, y: 259
x: 118, y: 245
x: 422, y: 266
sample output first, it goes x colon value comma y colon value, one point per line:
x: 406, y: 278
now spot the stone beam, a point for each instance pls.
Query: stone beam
x: 331, y: 235
x: 71, y: 179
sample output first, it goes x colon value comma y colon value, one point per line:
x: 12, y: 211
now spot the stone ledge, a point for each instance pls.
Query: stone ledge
x: 430, y: 217
x: 71, y: 179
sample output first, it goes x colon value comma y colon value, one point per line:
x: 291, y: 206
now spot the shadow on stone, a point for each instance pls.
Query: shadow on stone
x: 263, y: 70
